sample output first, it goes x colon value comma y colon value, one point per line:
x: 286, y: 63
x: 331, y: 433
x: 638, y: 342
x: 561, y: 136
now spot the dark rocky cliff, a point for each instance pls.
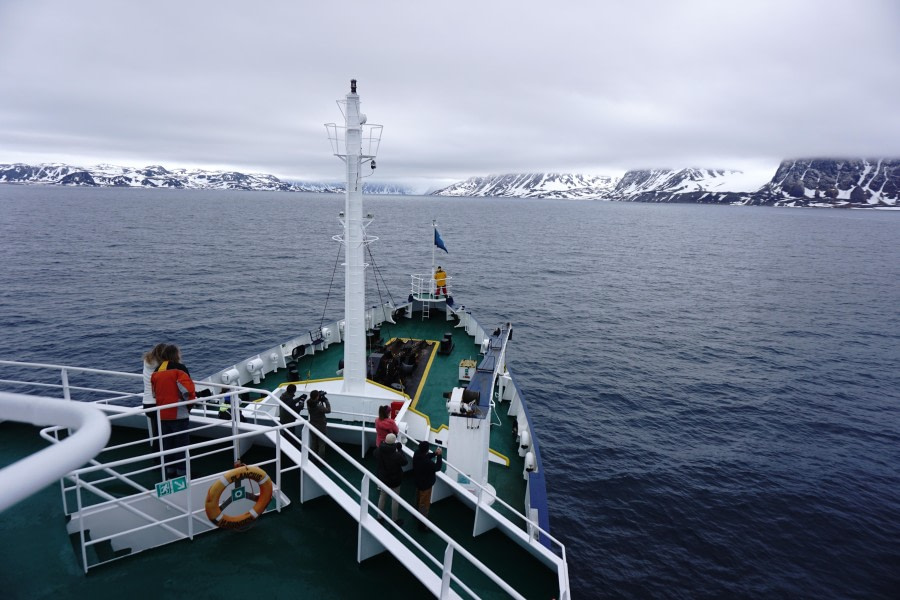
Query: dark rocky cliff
x: 867, y: 182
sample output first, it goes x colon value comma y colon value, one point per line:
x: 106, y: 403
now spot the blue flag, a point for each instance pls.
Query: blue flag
x: 439, y: 242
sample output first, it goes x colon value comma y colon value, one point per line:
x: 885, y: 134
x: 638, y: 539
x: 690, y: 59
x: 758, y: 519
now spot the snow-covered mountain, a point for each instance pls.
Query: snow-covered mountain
x: 811, y: 182
x: 159, y: 177
x: 807, y: 182
x: 657, y: 185
x: 152, y: 176
x: 532, y: 185
x: 683, y: 181
x: 801, y: 182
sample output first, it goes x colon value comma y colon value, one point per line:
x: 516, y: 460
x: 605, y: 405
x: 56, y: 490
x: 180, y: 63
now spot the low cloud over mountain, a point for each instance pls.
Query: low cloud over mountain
x: 807, y: 182
x: 159, y: 177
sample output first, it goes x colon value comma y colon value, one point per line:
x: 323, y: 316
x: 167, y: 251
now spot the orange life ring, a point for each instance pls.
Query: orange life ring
x: 214, y: 510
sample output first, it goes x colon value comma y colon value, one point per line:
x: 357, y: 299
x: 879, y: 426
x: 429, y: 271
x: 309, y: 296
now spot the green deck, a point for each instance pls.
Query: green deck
x: 309, y: 549
x: 441, y: 376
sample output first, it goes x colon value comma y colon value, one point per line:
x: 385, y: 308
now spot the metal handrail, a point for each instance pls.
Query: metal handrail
x: 366, y: 474
x: 452, y: 545
x: 29, y: 475
x: 425, y: 284
x: 369, y: 476
x: 241, y: 389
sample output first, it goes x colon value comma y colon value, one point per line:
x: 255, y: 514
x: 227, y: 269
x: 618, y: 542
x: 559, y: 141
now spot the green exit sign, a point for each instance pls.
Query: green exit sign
x: 171, y: 486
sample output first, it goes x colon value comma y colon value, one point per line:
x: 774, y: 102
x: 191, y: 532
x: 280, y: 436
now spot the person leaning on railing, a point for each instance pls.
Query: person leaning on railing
x: 152, y: 359
x: 172, y: 384
x: 384, y: 424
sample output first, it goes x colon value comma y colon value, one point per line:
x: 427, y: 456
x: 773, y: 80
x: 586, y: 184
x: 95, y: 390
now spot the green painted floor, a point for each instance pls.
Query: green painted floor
x: 306, y: 549
x: 442, y: 376
x: 306, y: 552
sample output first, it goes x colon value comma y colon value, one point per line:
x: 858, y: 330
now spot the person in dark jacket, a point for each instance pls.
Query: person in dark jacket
x: 391, y: 460
x: 424, y: 473
x: 318, y: 406
x: 172, y: 384
x: 289, y: 397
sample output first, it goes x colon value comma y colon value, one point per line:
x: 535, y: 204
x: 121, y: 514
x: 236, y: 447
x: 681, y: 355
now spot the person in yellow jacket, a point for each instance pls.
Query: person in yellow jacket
x: 440, y: 282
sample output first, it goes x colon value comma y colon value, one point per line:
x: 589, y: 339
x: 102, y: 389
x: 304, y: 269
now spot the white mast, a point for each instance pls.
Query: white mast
x: 350, y: 150
x: 355, y: 268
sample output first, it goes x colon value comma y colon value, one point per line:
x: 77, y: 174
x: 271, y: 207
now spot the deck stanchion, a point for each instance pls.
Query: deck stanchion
x: 84, y: 562
x: 368, y: 544
x: 62, y: 482
x: 64, y: 373
x: 235, y: 416
x: 278, y: 469
x: 445, y: 576
x: 190, y: 505
x: 364, y: 498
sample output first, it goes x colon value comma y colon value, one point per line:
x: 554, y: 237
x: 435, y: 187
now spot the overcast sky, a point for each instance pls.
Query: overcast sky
x: 463, y: 88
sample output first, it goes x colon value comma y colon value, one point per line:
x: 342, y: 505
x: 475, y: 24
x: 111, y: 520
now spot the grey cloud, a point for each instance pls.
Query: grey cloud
x: 462, y: 89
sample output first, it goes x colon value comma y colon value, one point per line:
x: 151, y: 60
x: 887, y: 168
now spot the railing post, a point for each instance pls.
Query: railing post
x: 362, y: 441
x: 445, y: 576
x: 159, y: 446
x: 65, y: 383
x: 235, y: 418
x: 304, y: 450
x: 278, y: 469
x: 566, y: 594
x: 364, y: 498
x: 190, y: 505
x: 81, y: 523
x: 62, y: 482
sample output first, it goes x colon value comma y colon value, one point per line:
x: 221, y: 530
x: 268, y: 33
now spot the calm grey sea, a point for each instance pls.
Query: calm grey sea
x: 716, y: 389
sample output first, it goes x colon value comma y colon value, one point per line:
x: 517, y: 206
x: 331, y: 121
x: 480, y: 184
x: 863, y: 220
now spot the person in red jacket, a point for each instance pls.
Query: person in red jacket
x: 384, y: 424
x: 172, y: 384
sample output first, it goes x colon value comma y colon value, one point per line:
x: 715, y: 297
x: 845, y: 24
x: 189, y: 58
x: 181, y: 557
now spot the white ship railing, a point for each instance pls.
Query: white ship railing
x: 423, y: 286
x: 370, y: 138
x: 117, y: 470
x: 32, y: 473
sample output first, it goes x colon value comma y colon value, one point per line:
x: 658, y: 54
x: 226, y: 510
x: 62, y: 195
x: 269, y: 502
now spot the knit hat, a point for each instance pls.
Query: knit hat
x: 390, y: 439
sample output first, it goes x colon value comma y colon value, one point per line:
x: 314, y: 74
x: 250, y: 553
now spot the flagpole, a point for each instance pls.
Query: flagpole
x: 433, y: 246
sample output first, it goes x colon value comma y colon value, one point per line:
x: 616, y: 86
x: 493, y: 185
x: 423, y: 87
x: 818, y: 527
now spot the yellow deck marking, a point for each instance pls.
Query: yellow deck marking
x: 503, y: 456
x: 425, y: 373
x: 308, y: 381
x: 388, y: 388
x: 415, y: 402
x: 428, y: 421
